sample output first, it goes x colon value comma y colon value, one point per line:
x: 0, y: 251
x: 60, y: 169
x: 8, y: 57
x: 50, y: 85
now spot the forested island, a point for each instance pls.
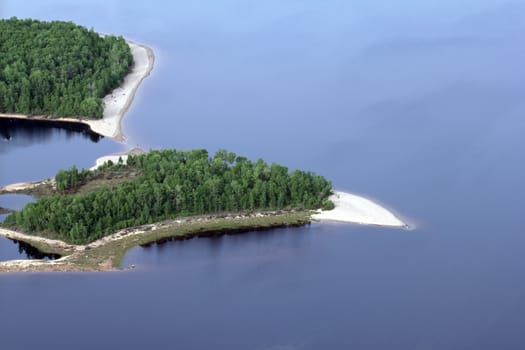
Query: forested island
x: 58, y: 69
x: 161, y: 185
x: 92, y: 217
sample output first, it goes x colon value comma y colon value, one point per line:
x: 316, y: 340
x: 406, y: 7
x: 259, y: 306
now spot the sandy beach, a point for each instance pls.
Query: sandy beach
x: 117, y: 103
x: 115, y: 157
x: 19, y: 186
x: 25, y: 186
x: 356, y: 209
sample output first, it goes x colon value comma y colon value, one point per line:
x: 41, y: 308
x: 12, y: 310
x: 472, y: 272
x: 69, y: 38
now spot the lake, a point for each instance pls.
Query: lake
x: 417, y: 105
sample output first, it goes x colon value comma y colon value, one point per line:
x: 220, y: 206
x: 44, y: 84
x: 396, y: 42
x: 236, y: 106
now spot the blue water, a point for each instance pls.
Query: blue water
x: 417, y: 105
x: 14, y: 201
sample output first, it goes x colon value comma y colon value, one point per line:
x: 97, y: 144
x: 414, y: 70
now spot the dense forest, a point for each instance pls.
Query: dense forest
x: 167, y: 184
x: 58, y: 68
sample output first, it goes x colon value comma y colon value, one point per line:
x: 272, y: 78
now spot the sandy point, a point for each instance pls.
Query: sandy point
x: 116, y: 158
x: 117, y: 103
x: 352, y: 208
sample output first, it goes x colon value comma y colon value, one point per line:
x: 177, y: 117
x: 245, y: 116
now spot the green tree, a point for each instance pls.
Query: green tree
x: 91, y: 107
x: 171, y: 183
x: 58, y: 68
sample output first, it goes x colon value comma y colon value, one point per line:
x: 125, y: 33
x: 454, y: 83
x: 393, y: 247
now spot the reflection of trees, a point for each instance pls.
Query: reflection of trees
x: 33, y: 253
x: 35, y: 130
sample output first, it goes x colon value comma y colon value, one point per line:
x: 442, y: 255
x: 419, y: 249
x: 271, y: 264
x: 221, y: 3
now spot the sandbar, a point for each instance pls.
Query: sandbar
x: 26, y: 186
x: 352, y: 208
x: 117, y: 103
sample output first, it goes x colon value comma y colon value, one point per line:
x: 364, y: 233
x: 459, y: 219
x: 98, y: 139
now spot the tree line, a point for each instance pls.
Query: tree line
x: 171, y: 183
x: 58, y: 68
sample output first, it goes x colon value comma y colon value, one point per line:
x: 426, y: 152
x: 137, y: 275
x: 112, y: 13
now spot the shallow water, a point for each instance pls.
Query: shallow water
x: 416, y: 105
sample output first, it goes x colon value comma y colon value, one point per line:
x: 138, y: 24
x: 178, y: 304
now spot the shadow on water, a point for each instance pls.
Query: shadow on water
x: 217, y: 234
x: 12, y: 128
x: 27, y: 251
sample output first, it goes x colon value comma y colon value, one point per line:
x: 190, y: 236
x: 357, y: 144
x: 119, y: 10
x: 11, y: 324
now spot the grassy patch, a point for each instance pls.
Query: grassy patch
x: 109, y: 255
x: 115, y: 251
x: 108, y: 178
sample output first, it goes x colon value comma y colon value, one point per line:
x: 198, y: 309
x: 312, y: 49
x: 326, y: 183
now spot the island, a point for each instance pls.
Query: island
x: 60, y: 72
x: 91, y: 217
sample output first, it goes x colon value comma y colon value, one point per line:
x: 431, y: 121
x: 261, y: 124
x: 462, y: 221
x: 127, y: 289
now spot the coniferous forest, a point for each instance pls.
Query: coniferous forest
x: 166, y: 184
x: 58, y: 68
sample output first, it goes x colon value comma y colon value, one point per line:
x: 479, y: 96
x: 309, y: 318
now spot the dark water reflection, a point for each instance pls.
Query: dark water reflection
x: 31, y: 151
x: 25, y: 251
x: 10, y: 249
x: 24, y: 131
x: 417, y: 104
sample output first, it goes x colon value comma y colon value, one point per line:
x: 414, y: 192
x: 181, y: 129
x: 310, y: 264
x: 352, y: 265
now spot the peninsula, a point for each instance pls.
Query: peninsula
x: 187, y: 193
x: 62, y: 72
x: 92, y: 217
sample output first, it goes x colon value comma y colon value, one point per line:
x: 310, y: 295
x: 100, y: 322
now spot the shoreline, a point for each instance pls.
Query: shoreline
x: 115, y: 158
x: 116, y: 103
x: 106, y: 253
x: 29, y: 186
x: 351, y: 208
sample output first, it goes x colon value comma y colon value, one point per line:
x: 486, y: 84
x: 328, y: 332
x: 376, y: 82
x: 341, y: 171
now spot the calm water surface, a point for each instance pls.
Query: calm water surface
x: 419, y: 105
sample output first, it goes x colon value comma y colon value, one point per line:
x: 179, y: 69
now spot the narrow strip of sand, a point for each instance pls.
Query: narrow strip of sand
x: 24, y: 186
x: 117, y: 103
x: 31, y: 238
x: 19, y: 186
x: 356, y: 209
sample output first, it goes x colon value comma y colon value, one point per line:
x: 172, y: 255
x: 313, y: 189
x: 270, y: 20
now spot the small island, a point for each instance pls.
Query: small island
x: 91, y: 217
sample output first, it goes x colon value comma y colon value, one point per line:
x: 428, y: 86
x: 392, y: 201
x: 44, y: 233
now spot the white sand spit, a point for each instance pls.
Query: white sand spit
x: 356, y: 209
x: 119, y: 100
x: 24, y: 237
x: 19, y: 186
x: 114, y: 158
x: 23, y: 186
